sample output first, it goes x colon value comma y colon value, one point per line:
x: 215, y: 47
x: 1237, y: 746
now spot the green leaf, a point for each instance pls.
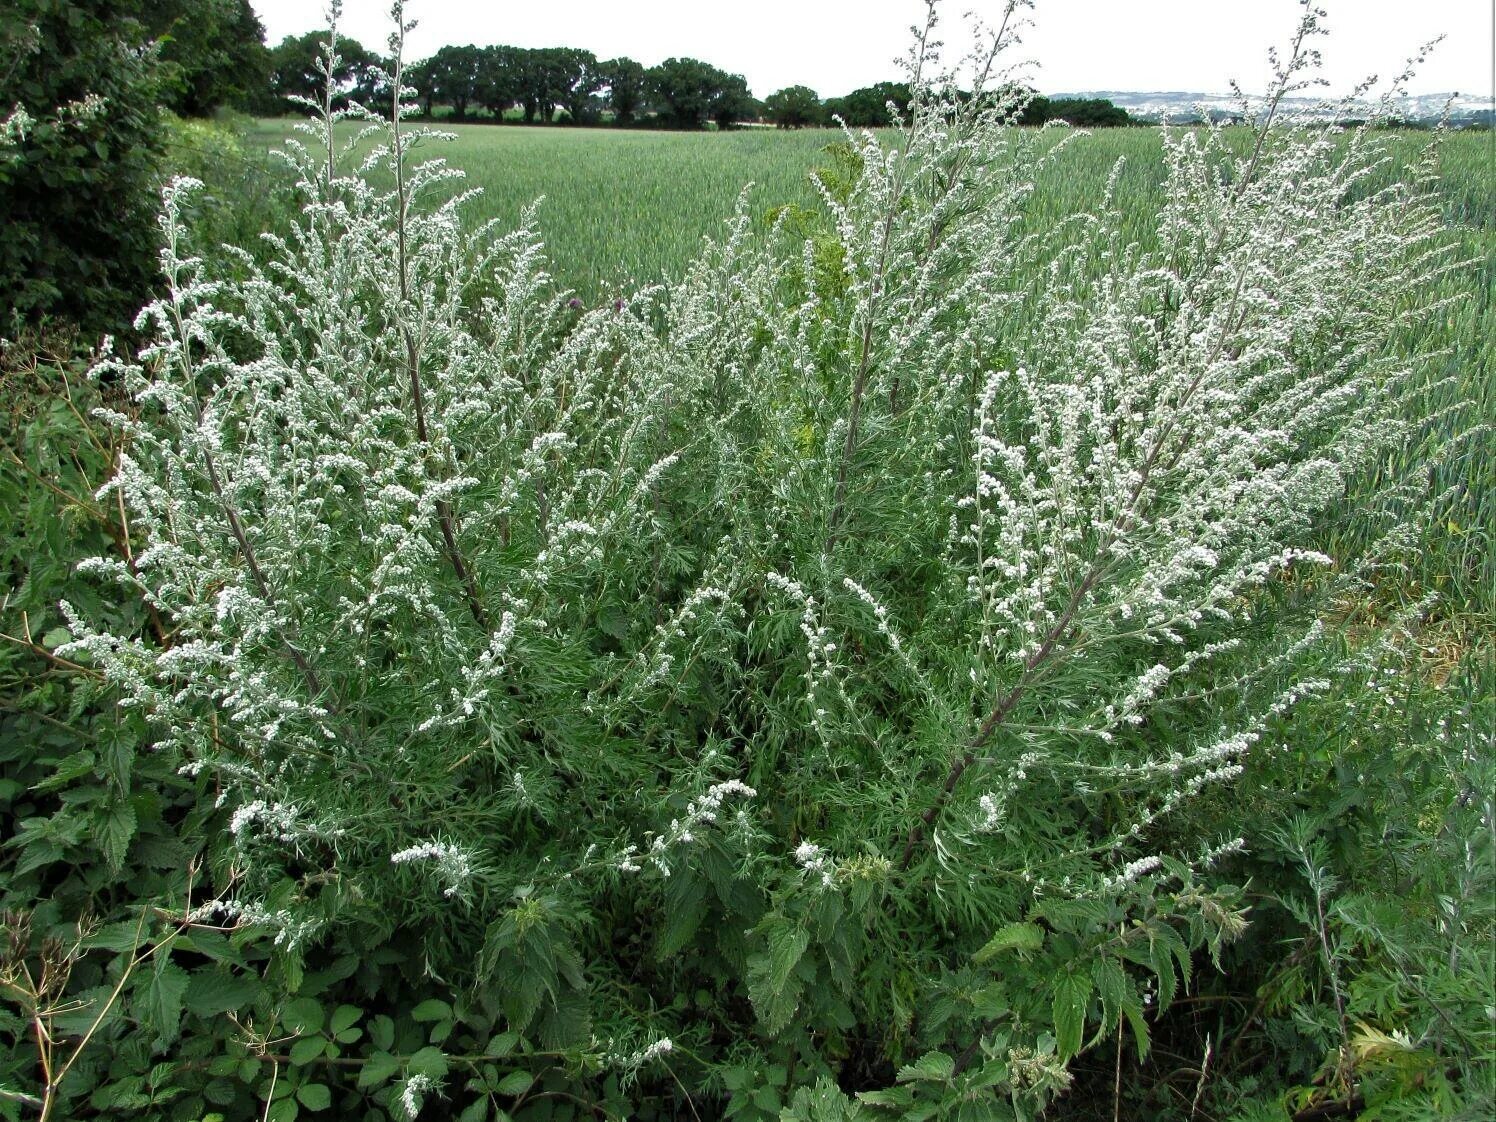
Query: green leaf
x: 307, y: 1049
x: 379, y: 1067
x: 116, y: 826
x: 1024, y: 938
x: 933, y: 1066
x: 212, y: 993
x: 285, y: 1110
x: 382, y: 1033
x: 1072, y: 994
x: 501, y: 1045
x: 431, y: 1010
x: 787, y: 943
x: 303, y: 1015
x: 515, y: 1083
x: 476, y: 1111
x: 428, y: 1061
x: 314, y: 1096
x: 163, y: 1000
x: 72, y: 767
x: 1111, y: 986
x: 685, y: 908
x: 344, y: 1017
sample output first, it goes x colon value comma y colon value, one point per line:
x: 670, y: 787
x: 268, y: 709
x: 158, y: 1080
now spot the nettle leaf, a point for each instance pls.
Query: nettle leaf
x: 211, y: 993
x: 685, y: 908
x: 566, y: 1022
x: 69, y: 770
x: 931, y: 1067
x: 787, y: 943
x: 1023, y: 938
x: 773, y: 986
x: 163, y: 999
x: 115, y: 827
x: 1072, y: 996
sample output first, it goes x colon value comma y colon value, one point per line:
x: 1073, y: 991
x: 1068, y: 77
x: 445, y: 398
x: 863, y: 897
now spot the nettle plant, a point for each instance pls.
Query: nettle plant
x: 797, y: 676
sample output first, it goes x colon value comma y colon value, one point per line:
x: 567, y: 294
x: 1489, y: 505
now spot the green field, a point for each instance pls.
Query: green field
x: 620, y: 208
x: 625, y: 208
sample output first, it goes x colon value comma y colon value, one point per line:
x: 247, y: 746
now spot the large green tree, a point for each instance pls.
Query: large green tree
x: 500, y: 79
x: 79, y: 148
x: 688, y: 92
x: 212, y: 54
x: 867, y: 108
x: 627, y: 88
x: 295, y: 72
x: 454, y: 76
x: 580, y: 78
x: 794, y: 107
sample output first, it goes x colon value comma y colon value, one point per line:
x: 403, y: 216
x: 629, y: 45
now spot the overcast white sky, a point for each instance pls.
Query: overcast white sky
x: 838, y: 45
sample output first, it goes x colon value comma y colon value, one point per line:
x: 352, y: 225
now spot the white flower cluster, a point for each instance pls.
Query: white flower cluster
x: 414, y: 1092
x: 704, y: 810
x: 816, y: 861
x: 453, y: 864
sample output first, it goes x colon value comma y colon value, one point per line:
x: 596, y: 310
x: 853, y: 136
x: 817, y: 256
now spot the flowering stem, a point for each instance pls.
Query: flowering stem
x: 445, y: 517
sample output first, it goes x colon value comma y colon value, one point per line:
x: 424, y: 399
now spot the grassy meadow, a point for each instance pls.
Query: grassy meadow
x: 624, y: 208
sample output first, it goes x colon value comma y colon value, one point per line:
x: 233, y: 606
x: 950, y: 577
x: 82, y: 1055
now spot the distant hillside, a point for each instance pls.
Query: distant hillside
x: 1181, y: 105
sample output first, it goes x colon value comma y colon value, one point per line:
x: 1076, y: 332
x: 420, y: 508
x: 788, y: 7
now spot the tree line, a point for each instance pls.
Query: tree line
x: 219, y: 58
x: 568, y: 85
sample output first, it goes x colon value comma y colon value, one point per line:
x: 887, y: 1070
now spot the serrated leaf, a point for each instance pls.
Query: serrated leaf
x: 685, y: 908
x: 1072, y: 994
x: 515, y: 1083
x: 932, y: 1066
x: 307, y: 1049
x: 115, y: 827
x: 428, y: 1061
x: 787, y: 942
x: 377, y: 1068
x: 314, y: 1096
x: 896, y: 1097
x: 501, y: 1045
x: 211, y: 993
x: 1111, y: 986
x: 382, y: 1033
x: 72, y: 767
x: 285, y: 1110
x: 476, y: 1111
x: 1022, y: 938
x: 163, y: 999
x: 343, y: 1017
x: 126, y: 935
x: 303, y: 1015
x: 431, y: 1010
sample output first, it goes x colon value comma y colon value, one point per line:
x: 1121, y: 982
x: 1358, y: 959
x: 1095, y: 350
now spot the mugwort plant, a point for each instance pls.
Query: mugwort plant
x: 841, y: 635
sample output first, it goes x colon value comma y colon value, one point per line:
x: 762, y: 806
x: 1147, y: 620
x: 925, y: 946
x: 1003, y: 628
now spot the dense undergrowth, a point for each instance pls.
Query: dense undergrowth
x: 932, y: 662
